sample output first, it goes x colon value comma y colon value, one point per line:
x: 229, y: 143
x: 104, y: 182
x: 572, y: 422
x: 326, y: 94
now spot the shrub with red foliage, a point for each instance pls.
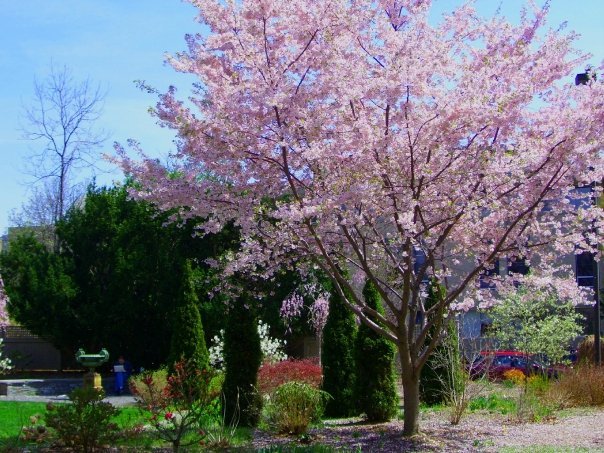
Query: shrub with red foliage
x: 272, y: 375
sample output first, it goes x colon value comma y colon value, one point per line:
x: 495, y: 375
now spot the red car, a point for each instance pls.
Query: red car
x: 495, y: 363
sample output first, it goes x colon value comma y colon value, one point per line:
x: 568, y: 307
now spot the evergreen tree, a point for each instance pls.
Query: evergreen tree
x: 41, y: 294
x: 376, y: 394
x: 114, y: 282
x: 242, y: 356
x: 337, y: 358
x: 188, y: 340
x: 435, y: 379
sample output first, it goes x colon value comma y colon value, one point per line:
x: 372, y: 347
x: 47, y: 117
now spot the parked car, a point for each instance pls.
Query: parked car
x: 494, y: 364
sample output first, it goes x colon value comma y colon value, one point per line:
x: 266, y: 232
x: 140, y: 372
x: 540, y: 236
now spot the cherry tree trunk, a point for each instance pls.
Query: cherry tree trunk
x: 411, y: 403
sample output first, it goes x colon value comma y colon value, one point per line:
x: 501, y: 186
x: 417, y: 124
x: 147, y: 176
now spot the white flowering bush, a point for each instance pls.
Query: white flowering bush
x: 5, y: 363
x: 272, y: 348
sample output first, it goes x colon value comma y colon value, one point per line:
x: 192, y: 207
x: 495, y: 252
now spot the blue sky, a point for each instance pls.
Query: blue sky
x: 114, y: 42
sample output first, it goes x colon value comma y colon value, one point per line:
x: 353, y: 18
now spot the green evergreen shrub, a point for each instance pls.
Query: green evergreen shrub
x: 337, y: 358
x: 85, y: 424
x: 242, y: 356
x: 376, y: 394
x: 436, y: 377
x: 188, y: 340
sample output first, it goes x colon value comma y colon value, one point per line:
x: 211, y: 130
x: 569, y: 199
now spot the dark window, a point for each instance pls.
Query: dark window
x: 485, y: 328
x: 419, y: 259
x: 585, y: 269
x: 518, y: 265
x: 485, y: 279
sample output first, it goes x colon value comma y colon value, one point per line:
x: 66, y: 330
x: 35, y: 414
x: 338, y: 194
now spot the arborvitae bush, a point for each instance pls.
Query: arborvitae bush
x: 376, y: 394
x: 337, y: 358
x: 242, y: 356
x: 435, y: 380
x: 188, y: 339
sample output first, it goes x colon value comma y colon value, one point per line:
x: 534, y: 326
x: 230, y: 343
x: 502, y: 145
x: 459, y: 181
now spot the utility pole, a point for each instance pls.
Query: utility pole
x: 587, y: 78
x: 598, y: 296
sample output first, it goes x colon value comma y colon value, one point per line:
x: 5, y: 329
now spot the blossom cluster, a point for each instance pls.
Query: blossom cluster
x: 293, y: 306
x: 3, y: 303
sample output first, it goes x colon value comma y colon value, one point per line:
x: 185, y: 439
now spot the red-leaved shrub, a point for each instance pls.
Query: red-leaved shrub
x: 272, y: 375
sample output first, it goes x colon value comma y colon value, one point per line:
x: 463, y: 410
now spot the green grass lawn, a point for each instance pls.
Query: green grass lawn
x: 15, y: 414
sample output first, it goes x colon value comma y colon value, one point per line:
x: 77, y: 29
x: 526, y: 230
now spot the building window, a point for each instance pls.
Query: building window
x: 486, y: 276
x: 518, y: 265
x: 419, y: 259
x: 585, y: 267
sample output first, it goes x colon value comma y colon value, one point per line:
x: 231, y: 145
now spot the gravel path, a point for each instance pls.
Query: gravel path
x: 478, y: 432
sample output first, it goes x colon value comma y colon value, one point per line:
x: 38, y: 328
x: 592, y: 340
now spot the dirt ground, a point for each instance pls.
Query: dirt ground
x: 576, y: 430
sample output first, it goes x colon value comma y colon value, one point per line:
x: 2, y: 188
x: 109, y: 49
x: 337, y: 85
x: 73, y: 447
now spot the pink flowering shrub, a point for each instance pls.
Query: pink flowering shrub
x: 178, y: 403
x: 272, y: 375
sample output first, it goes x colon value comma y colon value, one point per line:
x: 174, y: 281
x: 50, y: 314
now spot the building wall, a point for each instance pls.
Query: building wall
x: 29, y: 352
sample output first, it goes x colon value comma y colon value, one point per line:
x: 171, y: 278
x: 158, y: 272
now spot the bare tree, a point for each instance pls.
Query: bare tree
x: 62, y: 118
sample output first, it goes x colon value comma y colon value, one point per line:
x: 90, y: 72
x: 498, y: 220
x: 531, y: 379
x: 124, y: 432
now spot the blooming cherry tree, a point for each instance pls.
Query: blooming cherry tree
x: 357, y: 134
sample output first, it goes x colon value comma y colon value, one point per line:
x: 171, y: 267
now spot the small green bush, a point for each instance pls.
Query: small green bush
x: 85, y: 424
x: 177, y: 410
x: 293, y: 406
x: 147, y: 383
x: 493, y: 403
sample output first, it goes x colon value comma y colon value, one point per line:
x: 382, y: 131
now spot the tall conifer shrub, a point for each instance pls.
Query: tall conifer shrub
x: 337, y: 358
x: 376, y: 394
x: 188, y: 338
x: 242, y: 356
